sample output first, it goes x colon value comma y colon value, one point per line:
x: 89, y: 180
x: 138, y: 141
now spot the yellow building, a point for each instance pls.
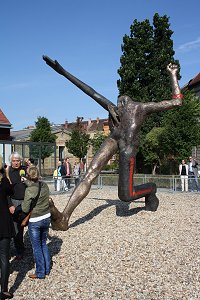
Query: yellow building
x: 62, y: 132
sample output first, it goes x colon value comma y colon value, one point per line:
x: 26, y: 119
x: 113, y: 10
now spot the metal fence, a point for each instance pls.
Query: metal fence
x: 33, y: 150
x: 164, y: 183
x: 58, y: 185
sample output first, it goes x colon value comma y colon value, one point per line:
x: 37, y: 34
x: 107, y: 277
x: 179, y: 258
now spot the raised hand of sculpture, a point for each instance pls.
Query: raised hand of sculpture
x: 126, y: 120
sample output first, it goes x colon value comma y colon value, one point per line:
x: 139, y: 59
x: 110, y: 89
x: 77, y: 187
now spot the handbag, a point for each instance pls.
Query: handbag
x: 21, y: 217
x: 25, y: 221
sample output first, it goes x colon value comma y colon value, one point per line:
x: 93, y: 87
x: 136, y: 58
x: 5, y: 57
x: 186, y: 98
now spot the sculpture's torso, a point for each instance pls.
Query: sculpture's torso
x: 131, y: 115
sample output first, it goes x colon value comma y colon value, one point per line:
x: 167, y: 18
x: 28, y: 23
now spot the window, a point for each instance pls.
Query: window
x: 61, y: 152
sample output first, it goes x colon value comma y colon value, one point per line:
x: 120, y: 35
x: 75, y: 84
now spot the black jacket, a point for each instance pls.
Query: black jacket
x: 18, y: 186
x: 6, y: 222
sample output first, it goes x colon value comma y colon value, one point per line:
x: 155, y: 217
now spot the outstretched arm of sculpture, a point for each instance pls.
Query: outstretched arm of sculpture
x: 106, y: 151
x: 104, y: 102
x: 176, y: 94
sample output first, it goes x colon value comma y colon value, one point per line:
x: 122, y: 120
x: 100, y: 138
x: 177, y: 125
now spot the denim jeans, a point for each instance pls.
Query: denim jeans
x: 38, y: 236
x: 68, y: 181
x: 193, y: 180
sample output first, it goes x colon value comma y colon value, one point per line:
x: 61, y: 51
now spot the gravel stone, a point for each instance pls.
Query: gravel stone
x: 117, y: 250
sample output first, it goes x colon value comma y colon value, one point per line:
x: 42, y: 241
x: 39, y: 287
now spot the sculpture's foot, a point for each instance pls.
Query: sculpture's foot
x: 151, y: 202
x: 58, y: 220
x: 59, y: 224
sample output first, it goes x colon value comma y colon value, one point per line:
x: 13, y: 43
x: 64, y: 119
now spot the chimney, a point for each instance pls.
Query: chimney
x: 97, y: 120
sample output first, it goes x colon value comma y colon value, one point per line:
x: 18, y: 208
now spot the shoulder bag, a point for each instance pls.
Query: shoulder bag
x: 21, y: 217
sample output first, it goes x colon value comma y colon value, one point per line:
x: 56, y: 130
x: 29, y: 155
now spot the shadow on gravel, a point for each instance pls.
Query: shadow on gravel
x: 22, y: 267
x: 122, y: 210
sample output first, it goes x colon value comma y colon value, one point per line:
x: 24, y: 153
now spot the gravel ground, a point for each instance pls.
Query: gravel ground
x: 113, y: 250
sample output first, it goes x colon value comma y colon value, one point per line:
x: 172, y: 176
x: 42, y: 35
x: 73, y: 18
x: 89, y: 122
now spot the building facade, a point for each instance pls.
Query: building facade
x: 194, y: 86
x: 63, y: 134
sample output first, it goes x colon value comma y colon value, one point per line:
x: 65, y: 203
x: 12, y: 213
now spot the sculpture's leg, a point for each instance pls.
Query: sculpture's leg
x: 106, y: 151
x: 126, y: 189
x: 57, y: 218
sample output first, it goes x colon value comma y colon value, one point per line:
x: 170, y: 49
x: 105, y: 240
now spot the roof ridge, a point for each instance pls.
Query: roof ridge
x: 194, y: 80
x: 3, y: 119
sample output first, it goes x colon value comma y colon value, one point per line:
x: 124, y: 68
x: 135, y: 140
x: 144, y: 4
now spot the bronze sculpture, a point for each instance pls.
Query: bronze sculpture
x: 125, y: 120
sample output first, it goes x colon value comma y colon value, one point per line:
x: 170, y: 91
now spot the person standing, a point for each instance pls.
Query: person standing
x: 76, y: 173
x: 63, y: 176
x: 15, y: 173
x: 68, y: 171
x: 60, y: 181
x: 59, y: 177
x: 55, y: 178
x: 183, y: 172
x: 39, y: 222
x: 29, y: 162
x: 6, y: 232
x: 193, y: 174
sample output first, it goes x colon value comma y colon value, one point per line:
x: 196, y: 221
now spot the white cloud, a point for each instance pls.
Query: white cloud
x: 190, y: 45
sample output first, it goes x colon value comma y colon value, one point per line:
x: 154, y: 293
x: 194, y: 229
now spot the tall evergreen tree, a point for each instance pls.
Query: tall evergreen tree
x: 137, y: 50
x: 143, y: 75
x: 146, y: 53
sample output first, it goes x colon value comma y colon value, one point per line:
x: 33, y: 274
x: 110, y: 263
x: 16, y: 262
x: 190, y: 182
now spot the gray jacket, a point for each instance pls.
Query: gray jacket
x: 194, y: 167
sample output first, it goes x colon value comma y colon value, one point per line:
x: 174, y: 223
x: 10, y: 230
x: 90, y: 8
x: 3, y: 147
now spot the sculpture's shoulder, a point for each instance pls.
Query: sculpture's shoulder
x: 126, y: 100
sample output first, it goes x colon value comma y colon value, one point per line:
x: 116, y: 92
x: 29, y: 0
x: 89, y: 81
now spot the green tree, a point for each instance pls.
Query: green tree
x: 96, y: 141
x: 143, y: 75
x: 153, y: 150
x: 79, y: 141
x: 42, y: 133
x: 146, y: 53
x: 182, y: 128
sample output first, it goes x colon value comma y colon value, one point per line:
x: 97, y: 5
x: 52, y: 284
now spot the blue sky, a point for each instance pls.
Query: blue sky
x: 85, y: 37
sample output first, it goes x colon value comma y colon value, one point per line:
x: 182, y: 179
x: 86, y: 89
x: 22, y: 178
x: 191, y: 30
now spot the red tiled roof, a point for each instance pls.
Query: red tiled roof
x: 194, y: 80
x: 3, y: 119
x: 91, y: 125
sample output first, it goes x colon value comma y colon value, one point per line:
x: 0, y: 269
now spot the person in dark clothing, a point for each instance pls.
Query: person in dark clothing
x: 68, y: 172
x: 193, y: 174
x: 16, y: 173
x: 6, y: 233
x: 29, y: 162
x: 62, y: 172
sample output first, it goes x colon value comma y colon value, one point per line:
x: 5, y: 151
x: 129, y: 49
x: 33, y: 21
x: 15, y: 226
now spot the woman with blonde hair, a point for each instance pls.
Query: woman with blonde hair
x: 39, y: 221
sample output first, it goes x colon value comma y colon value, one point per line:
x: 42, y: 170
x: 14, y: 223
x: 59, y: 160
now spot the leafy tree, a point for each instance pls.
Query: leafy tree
x: 79, y: 142
x: 166, y: 146
x: 143, y: 75
x: 182, y: 128
x: 153, y: 150
x: 96, y: 141
x: 42, y: 133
